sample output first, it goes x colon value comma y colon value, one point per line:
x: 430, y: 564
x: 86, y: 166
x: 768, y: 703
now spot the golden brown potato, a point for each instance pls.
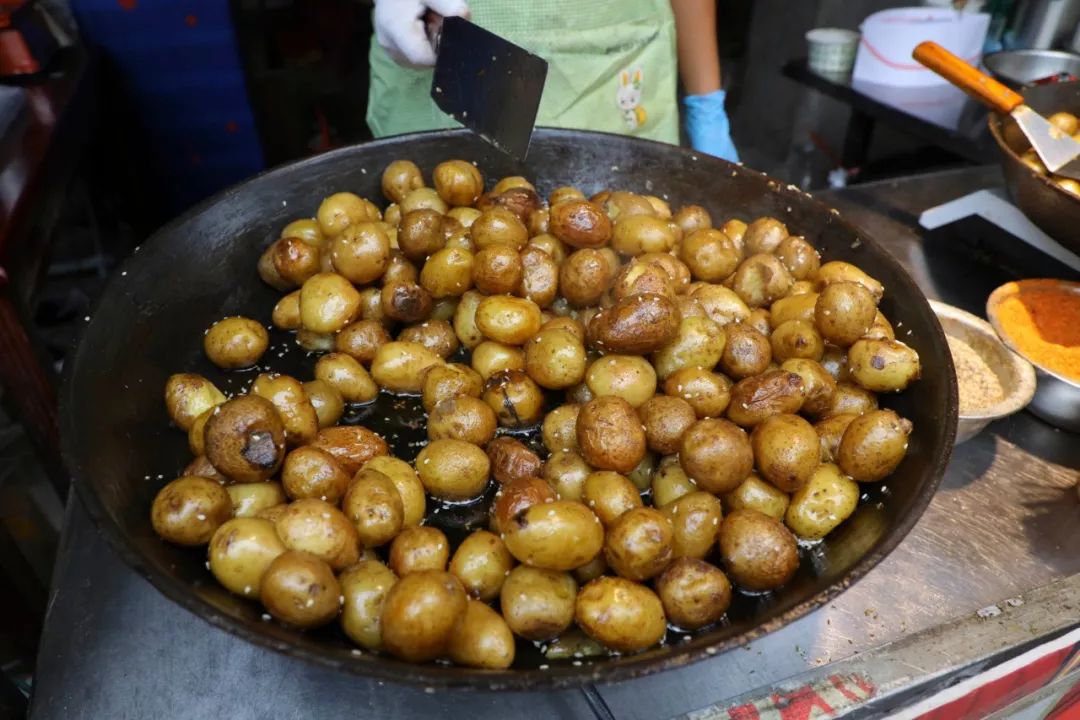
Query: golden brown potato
x: 540, y: 278
x: 538, y: 604
x: 400, y: 269
x: 629, y: 377
x: 849, y: 399
x: 639, y: 544
x: 508, y: 319
x: 400, y: 178
x: 240, y: 552
x: 482, y: 564
x: 373, y: 504
x: 497, y: 270
x: 465, y: 319
x: 636, y: 278
x: 827, y: 500
x: 710, y: 255
x: 405, y: 302
x: 245, y: 439
x: 313, y: 473
x: 406, y: 482
x: 419, y: 548
x: 286, y: 314
x: 498, y: 226
x: 346, y: 375
x: 235, y: 342
x: 300, y: 589
x: 190, y: 509
x: 760, y: 279
x: 328, y: 302
x: 371, y: 307
x: 563, y: 193
x: 361, y: 339
x: 187, y: 396
x: 512, y: 460
x: 360, y: 252
x: 670, y: 482
x: 787, y: 450
x: 694, y: 593
x: 436, y: 335
x: 609, y: 495
x: 442, y: 382
x: 637, y: 234
x: 844, y: 312
x: 873, y: 445
x: 756, y: 494
x: 306, y: 229
x: 453, y: 469
x: 839, y: 271
x: 419, y: 615
x: 350, y: 445
x: 883, y: 365
x: 579, y: 223
x: 422, y: 198
x: 340, y: 210
x: 559, y: 535
x: 758, y: 551
x: 793, y: 307
x: 746, y: 353
x: 609, y: 434
x: 462, y: 418
x: 364, y: 587
x: 291, y: 402
x: 421, y: 233
x: 764, y: 235
x: 399, y: 366
x: 458, y: 182
x: 448, y: 273
x: 621, y: 614
x: 517, y: 401
x: 549, y: 244
x: 818, y: 383
x: 316, y: 527
x: 559, y: 429
x: 707, y: 392
x: 254, y: 499
x: 695, y: 520
x: 515, y: 497
x: 690, y: 218
x: 635, y: 325
x: 830, y: 431
x: 566, y: 471
x: 716, y: 455
x: 698, y: 342
x: 756, y: 398
x: 720, y: 304
x: 760, y: 319
x: 796, y: 339
x: 481, y: 639
x: 555, y: 358
x: 326, y: 400
x: 666, y: 418
x: 490, y: 358
x: 881, y: 329
x: 584, y: 276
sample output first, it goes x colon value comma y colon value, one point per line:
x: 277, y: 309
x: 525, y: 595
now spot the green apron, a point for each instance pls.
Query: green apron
x: 611, y: 67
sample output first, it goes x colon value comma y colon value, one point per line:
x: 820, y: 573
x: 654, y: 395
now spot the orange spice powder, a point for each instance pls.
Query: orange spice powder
x: 1044, y: 325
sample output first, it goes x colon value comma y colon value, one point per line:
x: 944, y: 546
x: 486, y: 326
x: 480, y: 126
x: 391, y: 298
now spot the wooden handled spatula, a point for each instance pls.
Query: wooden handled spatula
x: 1058, y: 151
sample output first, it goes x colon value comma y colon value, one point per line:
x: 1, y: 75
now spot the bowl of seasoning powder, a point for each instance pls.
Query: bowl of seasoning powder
x: 992, y: 381
x: 1040, y: 319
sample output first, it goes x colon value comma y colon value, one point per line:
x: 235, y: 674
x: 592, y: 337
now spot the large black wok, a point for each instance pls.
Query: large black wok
x: 1054, y: 210
x: 120, y: 449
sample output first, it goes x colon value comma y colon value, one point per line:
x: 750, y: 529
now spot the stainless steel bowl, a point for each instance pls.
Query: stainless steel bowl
x: 1015, y: 374
x: 1016, y: 68
x: 1056, y: 399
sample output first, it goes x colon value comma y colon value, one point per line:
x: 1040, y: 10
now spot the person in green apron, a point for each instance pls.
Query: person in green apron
x: 611, y: 65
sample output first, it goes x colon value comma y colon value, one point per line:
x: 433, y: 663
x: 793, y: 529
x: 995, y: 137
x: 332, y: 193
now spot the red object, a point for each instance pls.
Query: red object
x: 15, y: 57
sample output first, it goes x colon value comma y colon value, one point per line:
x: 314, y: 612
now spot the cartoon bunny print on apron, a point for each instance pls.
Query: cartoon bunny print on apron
x: 628, y: 98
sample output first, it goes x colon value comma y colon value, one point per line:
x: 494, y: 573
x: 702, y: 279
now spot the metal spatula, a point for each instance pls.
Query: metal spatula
x: 486, y: 83
x: 1059, y: 152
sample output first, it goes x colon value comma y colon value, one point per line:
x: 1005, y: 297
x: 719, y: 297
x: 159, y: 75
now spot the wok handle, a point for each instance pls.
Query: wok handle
x: 969, y: 79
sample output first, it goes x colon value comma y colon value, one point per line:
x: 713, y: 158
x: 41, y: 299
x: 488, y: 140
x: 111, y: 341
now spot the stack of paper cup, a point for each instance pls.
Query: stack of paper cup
x: 832, y: 50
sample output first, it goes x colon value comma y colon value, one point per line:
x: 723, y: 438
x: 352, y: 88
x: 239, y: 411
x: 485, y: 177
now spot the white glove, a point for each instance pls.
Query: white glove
x: 400, y: 29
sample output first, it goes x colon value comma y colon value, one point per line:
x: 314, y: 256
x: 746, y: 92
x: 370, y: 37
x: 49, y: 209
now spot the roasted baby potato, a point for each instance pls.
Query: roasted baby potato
x: 883, y: 365
x: 826, y: 500
x: 694, y: 593
x: 695, y: 520
x: 453, y: 469
x: 559, y: 535
x: 756, y: 494
x: 482, y: 564
x: 235, y: 342
x: 758, y: 551
x: 538, y: 604
x: 620, y: 614
x: 716, y: 455
x: 190, y: 509
x: 300, y: 589
x: 873, y: 445
x: 419, y: 615
x: 419, y: 548
x: 609, y: 434
x: 511, y: 460
x: 245, y: 439
x: 787, y: 450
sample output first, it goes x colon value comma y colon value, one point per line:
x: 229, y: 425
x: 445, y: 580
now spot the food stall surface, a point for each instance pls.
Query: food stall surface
x: 1003, y: 524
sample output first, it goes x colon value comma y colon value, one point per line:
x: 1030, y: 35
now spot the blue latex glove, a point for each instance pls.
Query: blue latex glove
x: 707, y: 125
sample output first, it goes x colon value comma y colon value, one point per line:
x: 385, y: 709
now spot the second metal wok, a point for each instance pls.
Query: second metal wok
x: 120, y: 449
